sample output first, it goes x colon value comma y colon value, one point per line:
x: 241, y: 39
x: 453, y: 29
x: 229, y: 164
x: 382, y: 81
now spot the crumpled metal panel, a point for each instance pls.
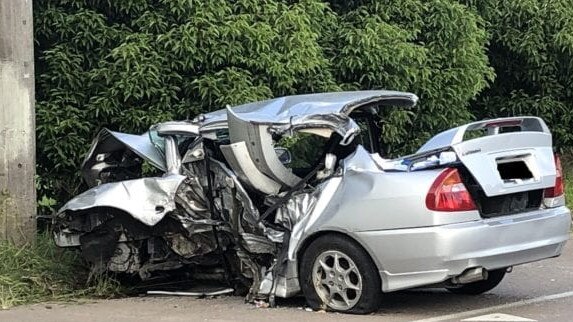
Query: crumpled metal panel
x: 258, y: 244
x: 150, y: 199
x: 308, y: 222
x: 250, y: 213
x: 239, y: 160
x: 280, y: 110
x: 339, y: 123
x: 259, y: 144
x: 147, y: 199
x: 300, y: 205
x: 109, y: 141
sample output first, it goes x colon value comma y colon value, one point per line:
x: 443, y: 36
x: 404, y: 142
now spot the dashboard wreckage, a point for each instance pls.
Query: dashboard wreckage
x: 293, y: 195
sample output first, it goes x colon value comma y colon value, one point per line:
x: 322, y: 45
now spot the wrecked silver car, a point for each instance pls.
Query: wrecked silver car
x: 292, y: 195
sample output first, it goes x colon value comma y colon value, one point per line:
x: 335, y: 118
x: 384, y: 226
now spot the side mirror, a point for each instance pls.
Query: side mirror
x: 284, y: 155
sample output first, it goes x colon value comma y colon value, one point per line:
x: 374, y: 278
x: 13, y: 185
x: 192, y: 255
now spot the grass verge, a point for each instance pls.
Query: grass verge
x: 43, y: 272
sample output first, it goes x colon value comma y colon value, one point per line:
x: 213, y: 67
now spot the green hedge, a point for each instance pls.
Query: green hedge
x: 531, y: 50
x: 40, y: 271
x: 131, y: 63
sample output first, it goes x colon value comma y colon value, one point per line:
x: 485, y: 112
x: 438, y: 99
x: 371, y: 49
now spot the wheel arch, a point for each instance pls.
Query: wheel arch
x: 311, y: 238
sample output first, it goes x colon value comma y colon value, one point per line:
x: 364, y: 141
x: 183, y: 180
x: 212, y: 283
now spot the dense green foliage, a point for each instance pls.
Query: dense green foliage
x: 128, y: 64
x: 531, y: 50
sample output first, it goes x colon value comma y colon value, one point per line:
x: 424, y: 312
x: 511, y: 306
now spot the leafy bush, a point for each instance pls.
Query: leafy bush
x: 531, y: 49
x: 42, y: 272
x: 433, y: 48
x: 128, y: 64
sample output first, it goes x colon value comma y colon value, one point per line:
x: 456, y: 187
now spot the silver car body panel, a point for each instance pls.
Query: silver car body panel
x: 281, y: 110
x: 147, y: 199
x: 429, y: 255
x: 108, y: 141
x: 242, y: 164
x: 482, y: 156
x: 177, y: 128
x: 259, y: 143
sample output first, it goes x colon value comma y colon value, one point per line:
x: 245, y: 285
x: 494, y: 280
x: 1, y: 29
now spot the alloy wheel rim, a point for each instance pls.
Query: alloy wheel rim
x: 337, y: 280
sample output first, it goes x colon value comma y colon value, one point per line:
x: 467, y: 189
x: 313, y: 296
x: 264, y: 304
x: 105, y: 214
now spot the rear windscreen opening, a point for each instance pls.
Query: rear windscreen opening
x: 514, y: 170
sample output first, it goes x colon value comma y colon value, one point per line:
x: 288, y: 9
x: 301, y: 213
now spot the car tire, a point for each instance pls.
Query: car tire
x: 494, y: 277
x: 352, y: 286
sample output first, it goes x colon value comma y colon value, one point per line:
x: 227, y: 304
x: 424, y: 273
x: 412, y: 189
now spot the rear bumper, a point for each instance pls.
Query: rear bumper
x: 422, y: 256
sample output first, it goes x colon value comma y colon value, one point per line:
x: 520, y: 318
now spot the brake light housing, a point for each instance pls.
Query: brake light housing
x: 554, y: 196
x: 448, y: 193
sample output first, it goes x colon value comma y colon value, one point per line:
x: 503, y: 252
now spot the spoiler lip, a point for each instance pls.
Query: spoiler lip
x: 456, y: 135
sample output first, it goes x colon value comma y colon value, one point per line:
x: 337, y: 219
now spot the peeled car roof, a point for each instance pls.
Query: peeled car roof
x: 281, y: 109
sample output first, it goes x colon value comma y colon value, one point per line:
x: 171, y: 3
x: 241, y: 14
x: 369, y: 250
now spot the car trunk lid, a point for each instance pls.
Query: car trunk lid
x: 504, y: 156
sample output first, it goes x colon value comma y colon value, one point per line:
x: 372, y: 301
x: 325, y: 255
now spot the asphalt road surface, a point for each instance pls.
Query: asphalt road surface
x: 541, y: 291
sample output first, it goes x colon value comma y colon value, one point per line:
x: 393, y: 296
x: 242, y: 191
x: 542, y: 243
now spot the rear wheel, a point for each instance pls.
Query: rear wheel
x: 337, y: 274
x: 493, y: 279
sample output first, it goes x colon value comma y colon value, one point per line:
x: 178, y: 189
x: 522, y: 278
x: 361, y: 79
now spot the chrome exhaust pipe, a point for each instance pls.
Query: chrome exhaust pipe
x: 471, y: 275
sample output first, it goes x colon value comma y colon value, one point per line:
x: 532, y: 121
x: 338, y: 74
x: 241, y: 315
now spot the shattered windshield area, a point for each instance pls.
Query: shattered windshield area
x: 156, y: 140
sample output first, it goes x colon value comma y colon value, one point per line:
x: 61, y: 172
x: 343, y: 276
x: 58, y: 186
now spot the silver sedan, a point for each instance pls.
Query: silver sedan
x: 294, y: 194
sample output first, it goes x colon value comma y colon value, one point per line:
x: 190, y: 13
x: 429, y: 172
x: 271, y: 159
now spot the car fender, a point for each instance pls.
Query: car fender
x: 147, y: 199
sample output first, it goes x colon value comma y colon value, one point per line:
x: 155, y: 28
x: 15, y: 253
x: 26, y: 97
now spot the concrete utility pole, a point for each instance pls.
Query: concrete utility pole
x: 17, y: 122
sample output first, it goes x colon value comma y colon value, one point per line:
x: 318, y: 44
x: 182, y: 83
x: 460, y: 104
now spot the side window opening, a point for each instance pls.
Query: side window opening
x: 369, y: 136
x: 306, y: 149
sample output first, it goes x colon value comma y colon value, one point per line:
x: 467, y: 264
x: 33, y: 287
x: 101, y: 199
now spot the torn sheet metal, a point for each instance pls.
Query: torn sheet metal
x: 260, y: 147
x: 237, y: 154
x: 300, y: 205
x: 107, y: 142
x: 147, y: 199
x: 339, y: 123
x: 251, y: 213
x: 281, y: 110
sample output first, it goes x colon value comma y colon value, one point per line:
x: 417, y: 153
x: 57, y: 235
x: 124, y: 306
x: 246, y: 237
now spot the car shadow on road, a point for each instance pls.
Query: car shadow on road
x: 422, y: 301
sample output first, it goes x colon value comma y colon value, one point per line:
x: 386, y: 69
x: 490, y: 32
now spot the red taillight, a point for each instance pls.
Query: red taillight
x: 504, y: 123
x: 448, y: 193
x: 559, y: 187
